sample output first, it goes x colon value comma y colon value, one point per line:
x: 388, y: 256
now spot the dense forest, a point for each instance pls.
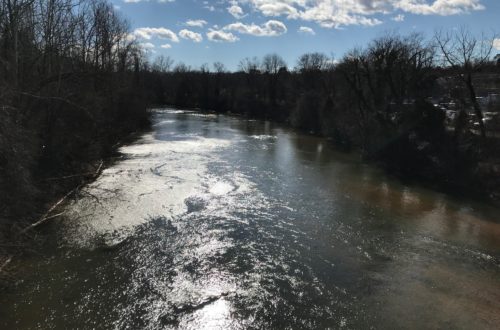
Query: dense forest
x: 69, y: 90
x: 72, y: 84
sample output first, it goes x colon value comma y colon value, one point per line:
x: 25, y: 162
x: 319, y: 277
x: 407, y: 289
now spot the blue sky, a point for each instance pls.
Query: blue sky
x: 198, y: 31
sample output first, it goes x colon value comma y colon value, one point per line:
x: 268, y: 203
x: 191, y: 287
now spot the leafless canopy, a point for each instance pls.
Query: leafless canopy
x: 460, y: 48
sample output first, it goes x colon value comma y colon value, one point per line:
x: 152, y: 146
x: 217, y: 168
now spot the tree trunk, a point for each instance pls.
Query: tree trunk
x: 477, y: 107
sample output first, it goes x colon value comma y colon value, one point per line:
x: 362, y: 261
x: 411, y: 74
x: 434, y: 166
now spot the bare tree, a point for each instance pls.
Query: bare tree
x: 390, y: 74
x: 467, y: 53
x: 162, y: 64
x: 312, y: 62
x: 205, y: 68
x: 249, y: 65
x: 181, y: 67
x: 219, y: 67
x: 273, y: 63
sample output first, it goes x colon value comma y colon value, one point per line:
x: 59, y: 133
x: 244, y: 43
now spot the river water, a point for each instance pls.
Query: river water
x: 217, y: 222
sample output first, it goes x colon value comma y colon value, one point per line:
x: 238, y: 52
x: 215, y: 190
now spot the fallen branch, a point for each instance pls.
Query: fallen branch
x: 98, y: 171
x: 46, y: 216
x: 5, y: 264
x: 69, y: 176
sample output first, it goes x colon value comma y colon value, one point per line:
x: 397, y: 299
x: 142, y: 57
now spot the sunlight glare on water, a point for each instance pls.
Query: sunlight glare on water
x: 218, y: 222
x: 154, y: 178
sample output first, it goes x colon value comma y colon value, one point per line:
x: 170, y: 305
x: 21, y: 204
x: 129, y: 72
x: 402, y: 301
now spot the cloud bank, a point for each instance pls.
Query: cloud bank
x: 338, y: 13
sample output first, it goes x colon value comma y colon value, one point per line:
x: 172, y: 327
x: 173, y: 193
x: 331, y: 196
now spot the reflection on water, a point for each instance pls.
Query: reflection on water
x: 214, y: 222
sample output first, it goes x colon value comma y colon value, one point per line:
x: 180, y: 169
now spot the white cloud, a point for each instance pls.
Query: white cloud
x: 190, y: 35
x: 196, y: 23
x: 166, y: 46
x: 236, y: 11
x: 278, y: 9
x: 306, y: 30
x: 271, y: 28
x: 221, y: 36
x: 208, y: 6
x: 398, y: 18
x: 439, y: 7
x: 335, y: 13
x: 338, y: 13
x: 496, y: 43
x: 130, y: 37
x: 148, y: 33
x: 147, y: 45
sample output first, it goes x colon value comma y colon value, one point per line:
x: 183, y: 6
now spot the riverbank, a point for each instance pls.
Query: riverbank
x: 71, y: 86
x: 33, y: 191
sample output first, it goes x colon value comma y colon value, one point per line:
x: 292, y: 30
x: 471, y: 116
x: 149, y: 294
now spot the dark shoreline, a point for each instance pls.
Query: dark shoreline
x: 20, y: 238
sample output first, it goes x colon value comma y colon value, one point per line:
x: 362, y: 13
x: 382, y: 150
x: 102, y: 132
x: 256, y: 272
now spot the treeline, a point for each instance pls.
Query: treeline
x: 70, y: 85
x: 405, y: 101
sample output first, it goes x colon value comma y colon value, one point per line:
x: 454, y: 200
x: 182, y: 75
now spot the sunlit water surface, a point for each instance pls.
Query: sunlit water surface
x: 216, y: 222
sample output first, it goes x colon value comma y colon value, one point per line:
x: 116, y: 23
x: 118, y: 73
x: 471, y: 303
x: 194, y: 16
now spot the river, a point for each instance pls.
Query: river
x: 218, y: 222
